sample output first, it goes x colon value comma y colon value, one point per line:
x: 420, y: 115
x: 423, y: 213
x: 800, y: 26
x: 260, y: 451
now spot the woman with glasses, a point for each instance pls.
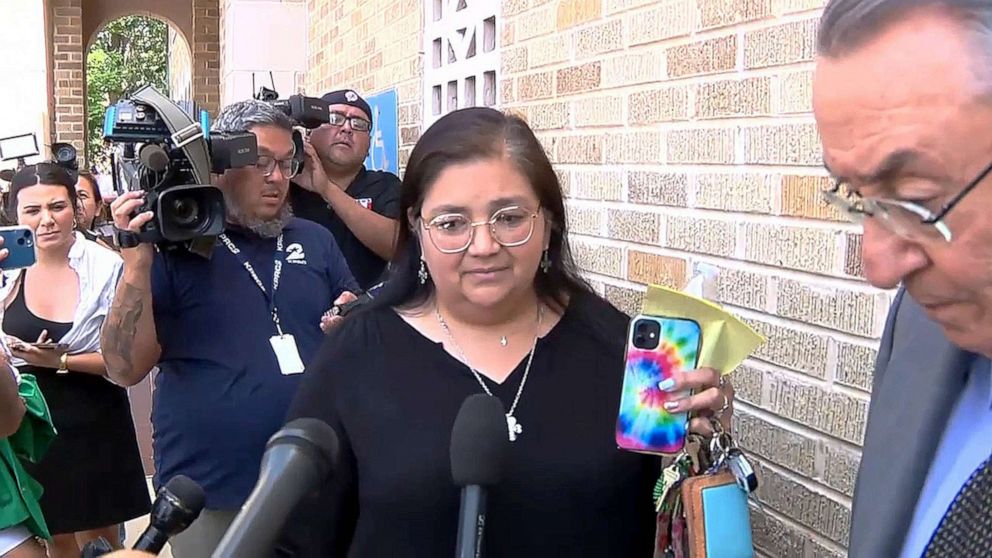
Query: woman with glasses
x: 484, y: 298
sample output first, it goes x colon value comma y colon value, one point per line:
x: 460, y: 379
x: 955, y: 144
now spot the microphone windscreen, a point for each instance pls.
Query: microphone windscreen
x: 314, y: 436
x: 479, y: 441
x: 187, y: 492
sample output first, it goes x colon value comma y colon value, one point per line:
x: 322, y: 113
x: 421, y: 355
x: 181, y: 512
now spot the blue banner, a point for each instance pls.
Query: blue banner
x: 384, y: 145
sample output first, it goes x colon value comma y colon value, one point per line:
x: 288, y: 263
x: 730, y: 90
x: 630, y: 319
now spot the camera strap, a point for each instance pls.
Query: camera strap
x: 270, y: 297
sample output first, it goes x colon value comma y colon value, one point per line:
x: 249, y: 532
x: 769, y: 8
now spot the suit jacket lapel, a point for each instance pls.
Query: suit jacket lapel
x: 910, y: 406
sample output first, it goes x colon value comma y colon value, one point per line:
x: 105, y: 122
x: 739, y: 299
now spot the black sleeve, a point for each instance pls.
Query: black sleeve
x: 387, y: 203
x: 323, y: 524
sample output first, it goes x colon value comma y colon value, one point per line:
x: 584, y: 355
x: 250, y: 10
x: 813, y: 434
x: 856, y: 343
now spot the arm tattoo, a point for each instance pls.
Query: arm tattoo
x: 121, y: 328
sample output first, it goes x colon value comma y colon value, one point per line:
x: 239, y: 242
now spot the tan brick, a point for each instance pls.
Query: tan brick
x: 580, y: 149
x: 626, y: 300
x: 799, y: 503
x: 701, y: 145
x: 536, y: 22
x: 653, y: 269
x: 840, y: 467
x: 575, y: 12
x: 788, y: 43
x: 634, y: 226
x: 598, y: 39
x: 791, y: 6
x: 514, y: 60
x: 795, y: 93
x: 730, y: 98
x: 598, y: 111
x: 748, y: 193
x: 632, y: 69
x: 579, y: 78
x: 547, y: 51
x: 784, y: 447
x: 855, y: 365
x: 666, y: 104
x: 743, y: 288
x: 853, y: 262
x: 701, y: 236
x: 802, y: 197
x: 748, y: 384
x: 506, y: 91
x: 802, y: 351
x: 597, y: 185
x: 720, y: 13
x: 800, y: 248
x: 584, y: 220
x: 613, y: 6
x: 782, y: 144
x: 539, y: 85
x: 507, y: 32
x: 548, y: 116
x: 598, y: 258
x: 828, y: 411
x: 564, y: 180
x: 514, y: 7
x: 669, y: 19
x: 634, y: 147
x: 705, y: 57
x: 857, y: 312
x: 658, y: 188
x: 774, y: 536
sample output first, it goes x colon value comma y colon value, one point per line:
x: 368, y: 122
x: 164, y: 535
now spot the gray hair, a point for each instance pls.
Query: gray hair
x: 240, y: 116
x: 848, y: 24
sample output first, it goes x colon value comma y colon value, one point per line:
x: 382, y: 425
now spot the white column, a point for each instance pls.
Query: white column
x: 262, y: 36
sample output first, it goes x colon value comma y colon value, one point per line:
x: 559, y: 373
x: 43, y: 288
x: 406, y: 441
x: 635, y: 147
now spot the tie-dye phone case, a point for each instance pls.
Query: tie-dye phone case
x: 656, y: 347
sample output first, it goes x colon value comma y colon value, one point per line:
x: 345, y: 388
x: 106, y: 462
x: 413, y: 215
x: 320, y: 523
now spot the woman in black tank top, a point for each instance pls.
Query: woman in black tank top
x: 92, y: 474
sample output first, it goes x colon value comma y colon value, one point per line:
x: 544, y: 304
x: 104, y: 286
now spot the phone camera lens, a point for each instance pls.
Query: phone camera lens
x: 21, y: 241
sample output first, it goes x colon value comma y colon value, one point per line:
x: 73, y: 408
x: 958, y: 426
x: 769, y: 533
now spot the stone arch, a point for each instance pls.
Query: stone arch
x: 71, y: 27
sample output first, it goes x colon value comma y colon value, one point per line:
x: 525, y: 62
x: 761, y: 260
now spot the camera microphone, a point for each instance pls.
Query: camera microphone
x: 177, y: 505
x: 479, y: 445
x: 297, y: 460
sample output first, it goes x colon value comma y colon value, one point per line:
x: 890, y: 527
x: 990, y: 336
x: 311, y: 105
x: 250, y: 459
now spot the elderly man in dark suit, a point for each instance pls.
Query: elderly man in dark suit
x: 903, y: 99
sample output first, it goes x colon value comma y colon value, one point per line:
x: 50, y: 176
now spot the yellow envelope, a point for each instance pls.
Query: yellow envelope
x: 726, y: 342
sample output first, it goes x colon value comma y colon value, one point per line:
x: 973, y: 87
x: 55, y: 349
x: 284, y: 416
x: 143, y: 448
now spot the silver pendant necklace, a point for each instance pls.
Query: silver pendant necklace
x: 513, y: 426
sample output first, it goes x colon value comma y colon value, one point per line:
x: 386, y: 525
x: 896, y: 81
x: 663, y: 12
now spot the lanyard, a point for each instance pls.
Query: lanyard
x: 276, y: 272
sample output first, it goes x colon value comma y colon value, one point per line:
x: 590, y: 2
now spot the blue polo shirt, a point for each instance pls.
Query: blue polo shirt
x: 219, y: 394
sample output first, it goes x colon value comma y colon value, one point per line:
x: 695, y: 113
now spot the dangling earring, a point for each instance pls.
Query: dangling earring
x: 545, y: 262
x: 422, y: 273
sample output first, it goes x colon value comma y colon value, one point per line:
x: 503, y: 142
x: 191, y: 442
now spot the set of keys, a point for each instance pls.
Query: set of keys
x: 699, y: 457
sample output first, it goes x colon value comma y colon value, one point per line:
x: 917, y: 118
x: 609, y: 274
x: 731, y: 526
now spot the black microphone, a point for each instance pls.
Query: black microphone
x: 479, y: 445
x: 297, y: 460
x: 176, y: 506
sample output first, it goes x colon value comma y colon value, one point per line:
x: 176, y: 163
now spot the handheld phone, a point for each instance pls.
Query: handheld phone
x: 19, y: 242
x: 656, y: 347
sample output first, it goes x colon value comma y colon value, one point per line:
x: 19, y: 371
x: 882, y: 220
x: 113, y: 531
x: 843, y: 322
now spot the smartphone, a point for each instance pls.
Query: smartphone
x: 656, y: 347
x: 59, y: 347
x: 19, y: 241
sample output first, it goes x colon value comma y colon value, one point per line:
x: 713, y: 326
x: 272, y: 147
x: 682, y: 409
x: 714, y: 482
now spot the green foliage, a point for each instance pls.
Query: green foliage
x: 126, y: 54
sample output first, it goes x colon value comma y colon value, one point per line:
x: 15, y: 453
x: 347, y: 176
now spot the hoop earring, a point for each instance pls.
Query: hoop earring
x: 422, y: 274
x: 546, y: 262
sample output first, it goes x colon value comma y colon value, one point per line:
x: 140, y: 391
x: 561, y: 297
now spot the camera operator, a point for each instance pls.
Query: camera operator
x: 358, y: 206
x: 230, y: 334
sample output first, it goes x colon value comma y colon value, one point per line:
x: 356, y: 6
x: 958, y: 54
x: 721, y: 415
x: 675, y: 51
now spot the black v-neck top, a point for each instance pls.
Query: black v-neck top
x: 392, y: 396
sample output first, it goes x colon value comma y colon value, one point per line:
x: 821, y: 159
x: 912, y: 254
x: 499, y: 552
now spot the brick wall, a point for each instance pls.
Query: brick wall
x: 683, y: 135
x: 206, y: 54
x: 370, y: 46
x: 68, y: 120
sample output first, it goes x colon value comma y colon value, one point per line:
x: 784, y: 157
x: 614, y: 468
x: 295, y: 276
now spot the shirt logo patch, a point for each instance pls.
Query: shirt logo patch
x: 295, y: 254
x: 365, y: 202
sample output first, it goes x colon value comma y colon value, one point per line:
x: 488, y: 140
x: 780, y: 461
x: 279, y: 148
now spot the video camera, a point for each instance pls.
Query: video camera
x: 306, y: 112
x: 158, y: 149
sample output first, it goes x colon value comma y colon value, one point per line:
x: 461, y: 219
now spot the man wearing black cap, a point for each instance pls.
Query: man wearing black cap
x: 358, y: 206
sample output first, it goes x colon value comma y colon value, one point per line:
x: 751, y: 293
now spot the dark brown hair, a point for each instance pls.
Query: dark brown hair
x: 475, y: 134
x: 49, y: 174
